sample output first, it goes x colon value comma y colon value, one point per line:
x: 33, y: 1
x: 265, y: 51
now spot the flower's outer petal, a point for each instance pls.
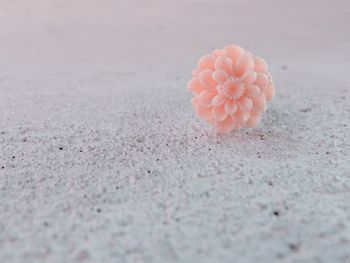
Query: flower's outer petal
x: 195, y: 73
x: 225, y: 63
x: 234, y: 51
x: 259, y: 103
x: 231, y: 107
x: 194, y: 86
x: 211, y: 121
x: 253, y: 120
x: 203, y: 112
x: 269, y: 91
x: 241, y: 117
x: 249, y: 77
x: 226, y: 125
x: 218, y: 113
x: 218, y: 100
x: 245, y: 104
x: 220, y: 76
x: 244, y: 62
x: 219, y: 52
x: 252, y: 90
x: 260, y: 65
x: 262, y: 81
x: 206, y: 97
x: 195, y: 101
x: 206, y: 62
x: 206, y: 79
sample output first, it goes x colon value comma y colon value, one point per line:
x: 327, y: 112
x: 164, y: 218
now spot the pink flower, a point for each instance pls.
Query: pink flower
x: 230, y: 88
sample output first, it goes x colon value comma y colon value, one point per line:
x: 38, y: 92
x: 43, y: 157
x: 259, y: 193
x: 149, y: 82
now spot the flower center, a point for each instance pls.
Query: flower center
x: 232, y: 88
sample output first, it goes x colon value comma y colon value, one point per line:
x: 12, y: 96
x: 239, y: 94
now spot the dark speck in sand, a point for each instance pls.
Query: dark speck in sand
x: 305, y: 110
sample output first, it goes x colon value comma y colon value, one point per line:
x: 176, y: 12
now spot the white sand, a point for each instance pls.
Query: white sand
x: 104, y: 160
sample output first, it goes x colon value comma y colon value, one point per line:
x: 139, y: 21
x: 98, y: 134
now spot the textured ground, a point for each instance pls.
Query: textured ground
x: 103, y: 160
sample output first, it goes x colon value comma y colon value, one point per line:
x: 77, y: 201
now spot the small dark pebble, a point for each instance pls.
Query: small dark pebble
x: 98, y: 210
x: 276, y: 213
x: 2, y: 133
x: 305, y: 110
x: 328, y: 152
x: 149, y: 171
x: 195, y: 137
x: 270, y: 183
x: 60, y: 148
x: 157, y: 159
x: 209, y: 149
x: 2, y: 167
x: 294, y: 247
x: 117, y: 187
x: 81, y: 151
x: 13, y: 157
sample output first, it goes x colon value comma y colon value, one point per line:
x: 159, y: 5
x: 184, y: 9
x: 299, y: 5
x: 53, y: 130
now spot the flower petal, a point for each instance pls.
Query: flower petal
x: 233, y: 52
x: 241, y: 117
x: 226, y: 125
x: 206, y: 62
x: 206, y: 79
x: 218, y: 100
x: 252, y: 90
x: 244, y: 63
x: 220, y: 76
x: 259, y: 103
x: 205, y: 98
x: 269, y: 91
x: 245, y: 104
x: 231, y: 107
x: 194, y: 101
x: 194, y: 86
x: 260, y: 65
x: 253, y: 120
x: 249, y: 77
x: 219, y: 113
x: 225, y: 63
x: 195, y: 73
x: 203, y: 112
x: 262, y: 81
x: 219, y: 52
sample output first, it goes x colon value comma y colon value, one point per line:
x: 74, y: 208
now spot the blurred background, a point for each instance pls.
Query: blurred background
x: 103, y: 159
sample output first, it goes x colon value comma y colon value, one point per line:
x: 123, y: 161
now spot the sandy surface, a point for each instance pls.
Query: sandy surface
x: 103, y: 160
